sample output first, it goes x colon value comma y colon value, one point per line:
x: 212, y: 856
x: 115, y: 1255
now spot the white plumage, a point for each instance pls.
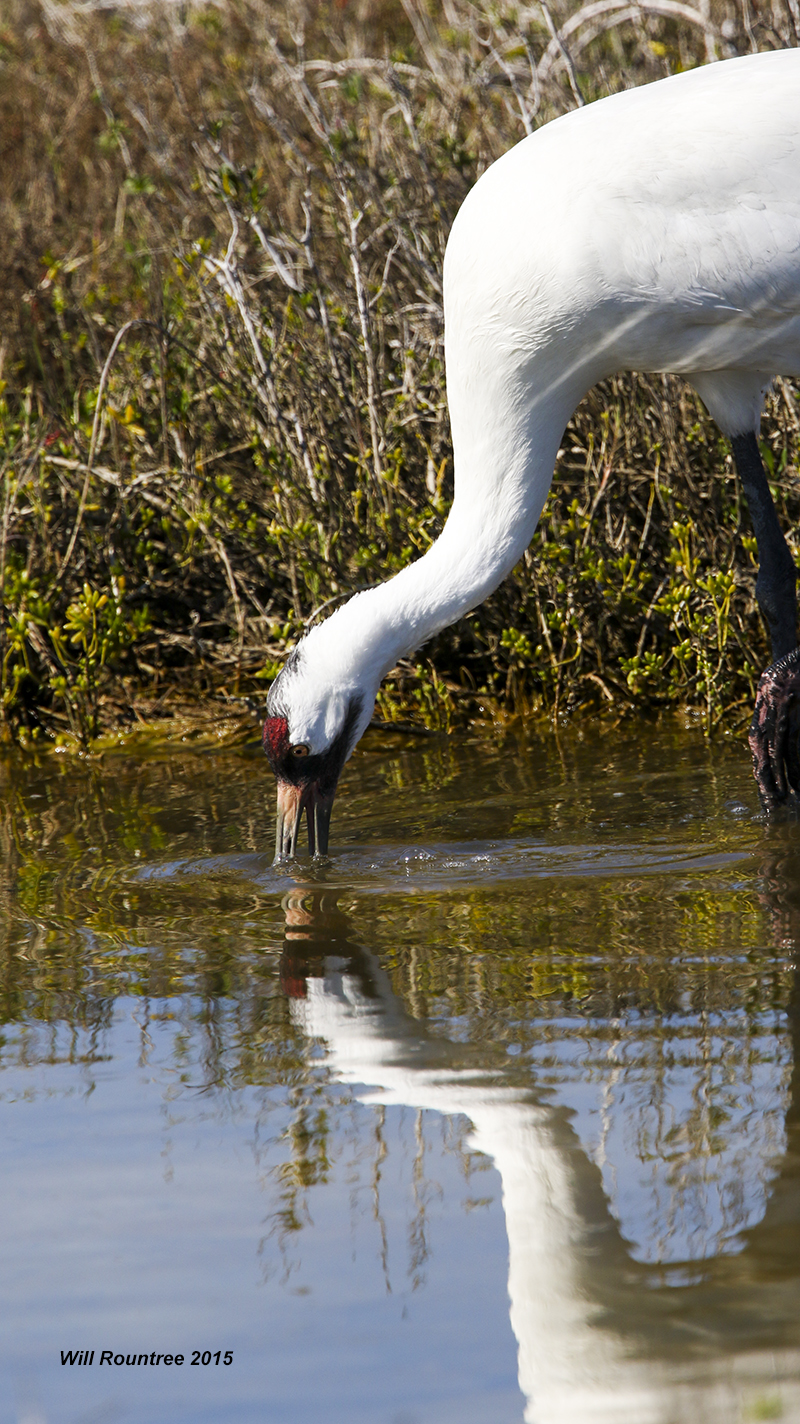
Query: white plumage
x: 656, y: 230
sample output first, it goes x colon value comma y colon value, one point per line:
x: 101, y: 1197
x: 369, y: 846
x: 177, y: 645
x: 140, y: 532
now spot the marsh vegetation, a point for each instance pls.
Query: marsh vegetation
x: 222, y: 398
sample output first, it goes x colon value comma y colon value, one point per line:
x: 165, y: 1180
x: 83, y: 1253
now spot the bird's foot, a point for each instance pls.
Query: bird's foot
x: 774, y: 731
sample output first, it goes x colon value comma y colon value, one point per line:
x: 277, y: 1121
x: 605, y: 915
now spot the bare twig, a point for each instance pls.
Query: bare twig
x: 118, y: 339
x: 558, y: 41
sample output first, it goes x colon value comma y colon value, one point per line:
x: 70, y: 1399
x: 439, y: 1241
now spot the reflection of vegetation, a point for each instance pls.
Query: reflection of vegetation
x: 643, y: 975
x: 307, y: 1163
x: 87, y: 903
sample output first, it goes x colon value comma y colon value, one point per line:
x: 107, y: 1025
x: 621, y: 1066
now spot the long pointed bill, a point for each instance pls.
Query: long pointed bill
x: 292, y: 802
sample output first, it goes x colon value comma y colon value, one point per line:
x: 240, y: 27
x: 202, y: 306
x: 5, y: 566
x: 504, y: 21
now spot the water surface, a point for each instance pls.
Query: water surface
x: 494, y: 1117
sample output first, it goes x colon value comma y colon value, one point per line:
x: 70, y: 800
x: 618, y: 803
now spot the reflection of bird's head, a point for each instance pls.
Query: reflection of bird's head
x: 316, y: 931
x: 313, y: 724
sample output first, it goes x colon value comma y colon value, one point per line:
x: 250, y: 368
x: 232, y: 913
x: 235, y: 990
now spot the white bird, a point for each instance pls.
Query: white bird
x: 655, y: 230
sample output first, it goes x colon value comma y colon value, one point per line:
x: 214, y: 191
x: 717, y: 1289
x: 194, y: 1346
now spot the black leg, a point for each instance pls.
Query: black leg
x: 773, y: 731
x: 777, y: 575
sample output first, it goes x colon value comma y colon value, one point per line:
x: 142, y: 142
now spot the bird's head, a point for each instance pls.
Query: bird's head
x: 312, y: 726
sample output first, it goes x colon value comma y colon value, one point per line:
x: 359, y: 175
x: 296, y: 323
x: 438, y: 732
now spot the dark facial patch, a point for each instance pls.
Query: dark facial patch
x: 324, y: 768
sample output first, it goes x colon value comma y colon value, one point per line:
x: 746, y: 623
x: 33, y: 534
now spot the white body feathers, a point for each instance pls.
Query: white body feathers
x: 657, y: 230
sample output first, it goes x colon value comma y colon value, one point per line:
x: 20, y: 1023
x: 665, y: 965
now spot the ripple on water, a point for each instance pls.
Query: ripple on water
x: 443, y: 866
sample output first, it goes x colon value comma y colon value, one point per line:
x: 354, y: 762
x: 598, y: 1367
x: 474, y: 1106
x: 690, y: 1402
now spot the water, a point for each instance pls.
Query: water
x: 495, y: 1117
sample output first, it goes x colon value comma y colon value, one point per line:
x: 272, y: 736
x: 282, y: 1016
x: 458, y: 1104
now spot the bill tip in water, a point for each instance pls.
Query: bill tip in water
x: 306, y: 781
x: 294, y: 803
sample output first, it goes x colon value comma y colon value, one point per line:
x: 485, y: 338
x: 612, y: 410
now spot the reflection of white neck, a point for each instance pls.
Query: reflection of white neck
x: 572, y: 1369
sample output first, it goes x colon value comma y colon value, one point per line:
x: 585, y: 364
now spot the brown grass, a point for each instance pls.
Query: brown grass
x: 224, y: 404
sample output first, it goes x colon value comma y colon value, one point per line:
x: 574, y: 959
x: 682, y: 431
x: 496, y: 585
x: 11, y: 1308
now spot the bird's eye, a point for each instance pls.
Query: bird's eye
x: 300, y: 750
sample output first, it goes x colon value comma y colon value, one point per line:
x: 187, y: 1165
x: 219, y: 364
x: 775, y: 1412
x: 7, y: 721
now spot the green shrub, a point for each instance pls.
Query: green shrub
x: 223, y: 404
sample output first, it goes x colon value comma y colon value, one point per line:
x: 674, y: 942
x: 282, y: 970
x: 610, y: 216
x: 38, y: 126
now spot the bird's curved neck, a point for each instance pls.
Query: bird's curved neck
x: 465, y: 565
x: 490, y: 525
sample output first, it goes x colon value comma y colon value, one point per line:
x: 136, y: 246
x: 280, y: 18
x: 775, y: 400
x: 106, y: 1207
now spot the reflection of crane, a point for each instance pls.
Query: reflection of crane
x: 594, y: 1335
x: 571, y: 1372
x: 656, y: 230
